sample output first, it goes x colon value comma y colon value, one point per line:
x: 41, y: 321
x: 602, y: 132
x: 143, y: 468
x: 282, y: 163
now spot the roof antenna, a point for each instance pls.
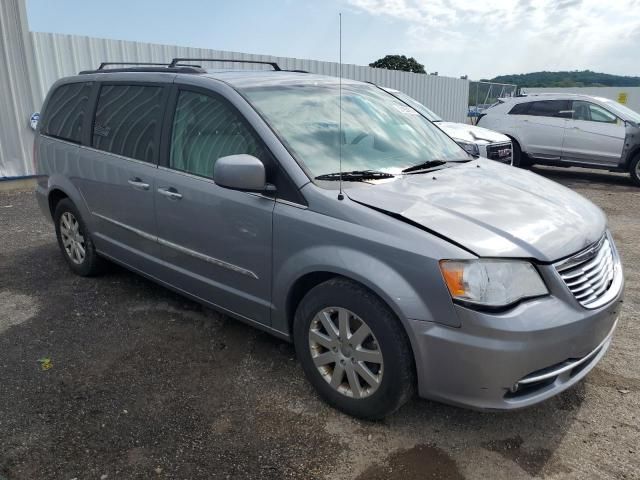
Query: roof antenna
x: 340, y: 194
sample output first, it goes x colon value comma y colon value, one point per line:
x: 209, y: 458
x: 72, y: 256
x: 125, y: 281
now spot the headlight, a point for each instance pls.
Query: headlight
x: 492, y: 283
x: 470, y: 148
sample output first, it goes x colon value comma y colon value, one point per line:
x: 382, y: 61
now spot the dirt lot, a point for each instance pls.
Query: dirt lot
x: 145, y: 384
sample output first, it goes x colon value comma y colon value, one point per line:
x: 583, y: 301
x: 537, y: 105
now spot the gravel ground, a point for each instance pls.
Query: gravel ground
x: 142, y: 383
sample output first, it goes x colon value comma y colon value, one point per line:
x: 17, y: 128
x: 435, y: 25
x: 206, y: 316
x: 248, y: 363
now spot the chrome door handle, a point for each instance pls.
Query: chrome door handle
x: 137, y: 183
x: 170, y: 192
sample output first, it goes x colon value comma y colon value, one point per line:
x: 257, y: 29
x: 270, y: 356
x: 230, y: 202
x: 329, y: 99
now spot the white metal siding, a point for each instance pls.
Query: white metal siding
x: 36, y: 60
x: 59, y: 55
x: 17, y: 100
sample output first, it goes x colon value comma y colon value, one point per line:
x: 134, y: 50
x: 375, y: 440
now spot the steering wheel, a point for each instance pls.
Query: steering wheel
x: 359, y: 138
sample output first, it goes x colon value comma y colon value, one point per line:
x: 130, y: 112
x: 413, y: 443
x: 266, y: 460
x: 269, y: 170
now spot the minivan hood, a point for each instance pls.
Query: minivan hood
x: 471, y: 133
x: 491, y: 209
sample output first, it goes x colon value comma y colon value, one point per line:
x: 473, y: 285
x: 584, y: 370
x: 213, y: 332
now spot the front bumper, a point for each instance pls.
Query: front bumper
x: 513, y: 359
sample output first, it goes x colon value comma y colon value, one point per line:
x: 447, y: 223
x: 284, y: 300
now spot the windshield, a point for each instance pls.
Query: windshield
x: 379, y: 132
x: 416, y: 105
x: 623, y: 111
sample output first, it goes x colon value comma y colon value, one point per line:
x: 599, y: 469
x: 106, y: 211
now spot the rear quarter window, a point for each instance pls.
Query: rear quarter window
x: 66, y: 110
x: 520, y: 108
x: 127, y: 121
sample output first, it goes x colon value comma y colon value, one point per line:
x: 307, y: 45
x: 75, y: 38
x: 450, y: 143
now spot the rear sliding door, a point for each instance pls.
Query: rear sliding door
x: 119, y: 167
x: 542, y: 128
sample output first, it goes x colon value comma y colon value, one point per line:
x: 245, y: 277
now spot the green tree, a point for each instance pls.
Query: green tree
x: 584, y: 78
x: 399, y: 62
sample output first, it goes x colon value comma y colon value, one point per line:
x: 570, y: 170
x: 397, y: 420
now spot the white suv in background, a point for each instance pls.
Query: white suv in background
x: 476, y: 141
x: 569, y: 130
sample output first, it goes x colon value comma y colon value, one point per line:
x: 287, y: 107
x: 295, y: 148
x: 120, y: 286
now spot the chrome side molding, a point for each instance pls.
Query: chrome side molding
x: 179, y: 248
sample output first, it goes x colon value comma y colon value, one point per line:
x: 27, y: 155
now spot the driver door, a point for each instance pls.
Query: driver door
x: 216, y: 242
x: 593, y: 135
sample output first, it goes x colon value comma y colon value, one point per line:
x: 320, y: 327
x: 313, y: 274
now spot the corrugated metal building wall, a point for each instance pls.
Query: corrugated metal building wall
x: 35, y: 60
x: 60, y: 55
x: 629, y: 95
x: 18, y: 95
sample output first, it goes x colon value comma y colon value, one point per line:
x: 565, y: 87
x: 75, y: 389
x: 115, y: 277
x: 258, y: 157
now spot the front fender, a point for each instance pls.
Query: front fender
x: 631, y: 146
x: 372, y: 272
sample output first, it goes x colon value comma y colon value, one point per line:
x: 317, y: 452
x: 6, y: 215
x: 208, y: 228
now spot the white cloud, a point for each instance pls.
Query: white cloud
x: 493, y: 37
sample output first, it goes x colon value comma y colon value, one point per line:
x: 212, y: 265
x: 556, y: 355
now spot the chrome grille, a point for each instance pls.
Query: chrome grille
x: 591, y: 274
x: 499, y: 151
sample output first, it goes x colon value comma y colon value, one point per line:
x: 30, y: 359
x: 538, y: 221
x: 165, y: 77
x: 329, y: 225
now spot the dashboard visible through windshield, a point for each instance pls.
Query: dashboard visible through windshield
x: 379, y: 132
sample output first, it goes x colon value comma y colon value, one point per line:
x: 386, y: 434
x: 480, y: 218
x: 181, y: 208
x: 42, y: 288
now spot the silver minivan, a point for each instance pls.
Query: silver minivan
x: 332, y: 215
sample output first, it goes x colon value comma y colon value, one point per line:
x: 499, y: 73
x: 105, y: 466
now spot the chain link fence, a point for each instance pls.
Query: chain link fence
x: 484, y: 94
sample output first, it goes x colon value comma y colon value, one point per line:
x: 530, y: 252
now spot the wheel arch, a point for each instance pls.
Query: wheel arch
x: 55, y: 196
x: 59, y: 187
x: 304, y: 270
x: 305, y: 283
x: 631, y: 156
x: 300, y: 287
x: 513, y: 139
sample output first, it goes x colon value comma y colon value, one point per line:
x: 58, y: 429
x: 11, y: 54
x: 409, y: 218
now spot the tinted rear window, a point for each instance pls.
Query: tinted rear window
x: 520, y: 109
x: 66, y: 111
x: 550, y: 108
x: 128, y: 121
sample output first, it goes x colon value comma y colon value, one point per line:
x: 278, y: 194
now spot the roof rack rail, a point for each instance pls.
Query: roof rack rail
x: 145, y: 67
x: 176, y: 61
x: 106, y: 64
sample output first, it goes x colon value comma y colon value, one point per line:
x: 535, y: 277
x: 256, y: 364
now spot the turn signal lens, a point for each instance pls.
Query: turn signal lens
x: 454, y: 277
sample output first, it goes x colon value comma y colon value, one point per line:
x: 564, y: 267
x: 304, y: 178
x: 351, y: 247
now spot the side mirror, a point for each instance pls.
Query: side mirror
x: 240, y: 172
x: 34, y: 120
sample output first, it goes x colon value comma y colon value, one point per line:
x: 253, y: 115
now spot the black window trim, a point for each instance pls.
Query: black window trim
x: 524, y: 105
x: 167, y: 132
x: 593, y: 103
x: 137, y: 83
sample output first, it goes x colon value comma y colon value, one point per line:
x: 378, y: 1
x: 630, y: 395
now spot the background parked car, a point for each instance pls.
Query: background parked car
x: 569, y: 130
x: 476, y: 141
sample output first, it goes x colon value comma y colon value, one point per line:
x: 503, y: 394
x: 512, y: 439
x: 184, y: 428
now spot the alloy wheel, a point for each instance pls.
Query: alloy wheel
x: 72, y: 238
x: 346, y: 352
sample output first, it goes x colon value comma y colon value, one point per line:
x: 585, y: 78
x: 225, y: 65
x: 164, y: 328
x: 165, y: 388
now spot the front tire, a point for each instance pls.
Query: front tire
x: 520, y: 158
x: 74, y: 240
x: 354, y: 350
x: 634, y: 170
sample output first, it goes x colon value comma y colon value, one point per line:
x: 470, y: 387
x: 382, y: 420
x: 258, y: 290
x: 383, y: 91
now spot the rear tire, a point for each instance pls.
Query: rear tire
x: 75, y: 240
x: 365, y: 369
x: 634, y: 170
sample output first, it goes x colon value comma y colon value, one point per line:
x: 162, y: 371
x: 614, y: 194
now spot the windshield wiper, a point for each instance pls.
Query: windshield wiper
x: 424, y: 165
x: 355, y: 176
x: 432, y: 164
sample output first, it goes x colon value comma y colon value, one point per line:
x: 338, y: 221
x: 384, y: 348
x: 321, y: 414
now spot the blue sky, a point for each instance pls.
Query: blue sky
x: 454, y: 37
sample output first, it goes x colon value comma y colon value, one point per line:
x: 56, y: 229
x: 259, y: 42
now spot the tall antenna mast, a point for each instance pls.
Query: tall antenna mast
x: 340, y: 195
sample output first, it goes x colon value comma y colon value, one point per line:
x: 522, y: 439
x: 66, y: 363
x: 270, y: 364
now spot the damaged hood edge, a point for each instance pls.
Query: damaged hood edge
x: 490, y: 210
